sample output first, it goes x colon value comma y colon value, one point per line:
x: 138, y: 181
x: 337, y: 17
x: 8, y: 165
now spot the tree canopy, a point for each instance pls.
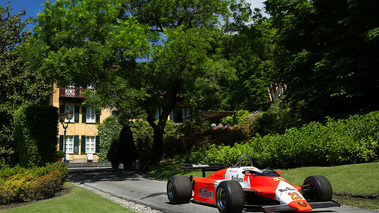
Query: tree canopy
x: 18, y: 85
x: 148, y: 55
x: 327, y: 54
x: 141, y: 56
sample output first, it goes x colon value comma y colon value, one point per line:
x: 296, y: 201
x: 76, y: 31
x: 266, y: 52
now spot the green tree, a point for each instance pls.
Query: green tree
x: 93, y: 41
x: 327, y: 54
x: 250, y: 51
x: 18, y: 86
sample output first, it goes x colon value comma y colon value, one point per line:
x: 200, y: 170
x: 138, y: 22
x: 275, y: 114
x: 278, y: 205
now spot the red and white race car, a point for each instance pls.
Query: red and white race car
x: 232, y: 189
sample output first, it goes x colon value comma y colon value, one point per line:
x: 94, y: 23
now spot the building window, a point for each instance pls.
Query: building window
x: 90, y: 144
x: 72, y: 108
x: 178, y: 113
x: 90, y: 115
x: 69, y: 144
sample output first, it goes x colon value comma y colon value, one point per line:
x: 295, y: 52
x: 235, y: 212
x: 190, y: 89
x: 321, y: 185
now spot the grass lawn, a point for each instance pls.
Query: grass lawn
x: 79, y: 200
x: 355, y: 185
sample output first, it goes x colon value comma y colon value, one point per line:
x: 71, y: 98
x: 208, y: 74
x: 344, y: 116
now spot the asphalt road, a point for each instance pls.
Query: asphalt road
x: 152, y: 193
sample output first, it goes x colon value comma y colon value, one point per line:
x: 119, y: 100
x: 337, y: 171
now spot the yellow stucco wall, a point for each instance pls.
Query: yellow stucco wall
x: 77, y: 128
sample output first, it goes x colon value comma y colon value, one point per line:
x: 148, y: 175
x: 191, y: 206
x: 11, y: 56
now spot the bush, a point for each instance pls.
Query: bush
x: 19, y: 184
x: 46, y: 186
x: 244, y: 121
x: 36, y: 134
x: 107, y: 130
x: 123, y: 149
x: 144, y: 135
x: 342, y: 141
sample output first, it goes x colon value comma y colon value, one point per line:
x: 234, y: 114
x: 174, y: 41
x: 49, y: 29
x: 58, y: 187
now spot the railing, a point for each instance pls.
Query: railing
x: 70, y: 92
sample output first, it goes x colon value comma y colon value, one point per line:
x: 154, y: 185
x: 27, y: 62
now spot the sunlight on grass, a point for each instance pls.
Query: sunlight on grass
x: 354, y: 179
x: 79, y: 200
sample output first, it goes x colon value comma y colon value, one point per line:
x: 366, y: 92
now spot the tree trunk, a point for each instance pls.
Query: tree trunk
x: 158, y: 144
x: 159, y: 128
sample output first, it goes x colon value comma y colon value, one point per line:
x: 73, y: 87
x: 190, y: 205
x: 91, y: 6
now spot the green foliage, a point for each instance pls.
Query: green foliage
x: 244, y: 121
x: 19, y: 184
x: 143, y: 134
x: 279, y: 117
x: 250, y: 52
x: 36, y: 134
x: 99, y: 42
x: 123, y: 150
x: 326, y: 54
x: 59, y: 154
x: 143, y: 137
x: 342, y: 141
x: 198, y: 134
x: 107, y: 130
x: 18, y: 86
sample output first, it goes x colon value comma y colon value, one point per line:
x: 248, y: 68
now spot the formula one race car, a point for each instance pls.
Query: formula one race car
x: 232, y: 189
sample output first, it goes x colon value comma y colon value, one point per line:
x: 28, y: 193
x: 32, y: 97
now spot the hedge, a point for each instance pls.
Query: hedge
x: 36, y: 133
x: 107, y: 130
x: 343, y: 141
x: 143, y: 133
x: 19, y: 184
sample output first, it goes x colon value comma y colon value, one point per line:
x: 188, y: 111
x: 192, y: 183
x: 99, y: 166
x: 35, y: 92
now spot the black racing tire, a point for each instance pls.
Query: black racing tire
x: 179, y: 189
x: 230, y: 197
x: 319, y: 189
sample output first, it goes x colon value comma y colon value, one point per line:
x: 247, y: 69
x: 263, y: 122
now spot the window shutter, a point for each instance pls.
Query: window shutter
x: 98, y: 117
x: 60, y: 142
x: 76, y: 114
x: 84, y: 114
x: 97, y: 144
x: 61, y: 109
x: 76, y: 144
x: 83, y: 145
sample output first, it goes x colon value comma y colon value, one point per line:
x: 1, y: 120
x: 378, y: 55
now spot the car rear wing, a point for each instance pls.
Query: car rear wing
x: 203, y: 167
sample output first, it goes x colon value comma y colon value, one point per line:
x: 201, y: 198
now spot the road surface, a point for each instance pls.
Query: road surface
x: 152, y: 193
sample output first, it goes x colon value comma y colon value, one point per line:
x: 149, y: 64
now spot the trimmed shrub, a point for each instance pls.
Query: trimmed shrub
x: 107, y: 130
x: 36, y: 133
x: 123, y: 149
x: 342, y: 141
x: 19, y: 184
x: 46, y: 186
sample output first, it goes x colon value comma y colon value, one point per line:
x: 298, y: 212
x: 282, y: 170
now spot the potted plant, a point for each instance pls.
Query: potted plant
x: 59, y: 154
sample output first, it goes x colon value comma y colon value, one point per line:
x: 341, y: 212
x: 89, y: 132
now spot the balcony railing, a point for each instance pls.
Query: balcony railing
x: 70, y: 92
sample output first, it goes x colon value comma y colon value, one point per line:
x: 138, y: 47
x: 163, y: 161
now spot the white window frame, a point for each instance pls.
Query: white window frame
x: 90, y: 144
x: 69, y: 144
x: 90, y: 115
x: 72, y: 108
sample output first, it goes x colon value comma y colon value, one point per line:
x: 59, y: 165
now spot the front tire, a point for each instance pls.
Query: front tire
x: 230, y: 197
x: 319, y: 189
x: 179, y: 189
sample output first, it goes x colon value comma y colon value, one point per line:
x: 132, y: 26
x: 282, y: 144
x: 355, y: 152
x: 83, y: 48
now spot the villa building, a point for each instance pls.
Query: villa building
x: 82, y: 137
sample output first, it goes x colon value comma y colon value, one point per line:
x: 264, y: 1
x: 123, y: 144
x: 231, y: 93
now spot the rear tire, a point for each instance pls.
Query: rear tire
x: 179, y: 189
x: 230, y: 197
x: 319, y: 189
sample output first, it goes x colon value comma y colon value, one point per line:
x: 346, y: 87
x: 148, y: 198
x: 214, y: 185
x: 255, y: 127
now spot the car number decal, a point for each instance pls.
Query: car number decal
x: 295, y: 196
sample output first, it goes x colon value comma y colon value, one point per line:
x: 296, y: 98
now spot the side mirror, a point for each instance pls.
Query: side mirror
x: 279, y: 172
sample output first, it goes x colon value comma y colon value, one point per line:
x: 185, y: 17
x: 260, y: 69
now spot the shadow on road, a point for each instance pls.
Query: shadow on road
x: 92, y: 175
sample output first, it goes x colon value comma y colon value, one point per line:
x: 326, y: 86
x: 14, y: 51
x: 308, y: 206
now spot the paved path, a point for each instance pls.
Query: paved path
x: 152, y: 193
